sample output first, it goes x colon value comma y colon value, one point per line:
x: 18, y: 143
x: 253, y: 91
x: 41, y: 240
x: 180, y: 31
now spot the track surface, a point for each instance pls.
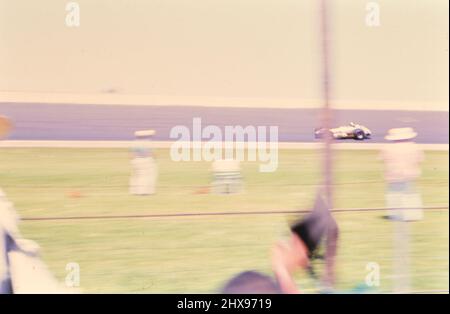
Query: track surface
x: 104, y: 122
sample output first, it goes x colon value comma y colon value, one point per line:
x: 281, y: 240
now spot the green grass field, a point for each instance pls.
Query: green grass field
x: 198, y: 254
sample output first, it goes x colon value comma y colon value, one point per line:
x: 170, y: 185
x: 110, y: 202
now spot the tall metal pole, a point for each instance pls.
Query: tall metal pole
x: 326, y: 110
x: 327, y: 121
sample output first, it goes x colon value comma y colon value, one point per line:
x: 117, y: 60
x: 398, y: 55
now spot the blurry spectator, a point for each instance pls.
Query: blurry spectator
x: 8, y: 220
x: 249, y: 282
x: 10, y: 240
x: 288, y: 257
x: 306, y: 237
x: 144, y: 169
x: 227, y: 178
x: 291, y: 255
x: 21, y: 269
x: 402, y: 160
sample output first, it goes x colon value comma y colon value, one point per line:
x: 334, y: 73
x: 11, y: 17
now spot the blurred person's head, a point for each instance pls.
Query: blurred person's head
x: 251, y: 282
x: 302, y: 246
x: 400, y: 134
x: 5, y: 126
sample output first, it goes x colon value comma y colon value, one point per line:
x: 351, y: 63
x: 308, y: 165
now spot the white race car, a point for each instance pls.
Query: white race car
x: 350, y: 131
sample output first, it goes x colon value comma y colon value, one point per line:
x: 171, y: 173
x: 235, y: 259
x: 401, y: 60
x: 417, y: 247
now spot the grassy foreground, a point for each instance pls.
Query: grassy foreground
x: 197, y: 254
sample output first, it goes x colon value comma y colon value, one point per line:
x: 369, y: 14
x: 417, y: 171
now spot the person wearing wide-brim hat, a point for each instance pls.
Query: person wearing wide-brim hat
x: 144, y: 169
x: 402, y: 158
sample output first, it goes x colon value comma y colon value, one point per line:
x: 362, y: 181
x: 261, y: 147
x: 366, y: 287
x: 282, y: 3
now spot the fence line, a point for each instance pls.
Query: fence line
x: 226, y: 213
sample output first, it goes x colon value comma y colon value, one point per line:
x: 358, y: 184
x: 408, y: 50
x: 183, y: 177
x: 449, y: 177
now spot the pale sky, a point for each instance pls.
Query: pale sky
x: 226, y: 48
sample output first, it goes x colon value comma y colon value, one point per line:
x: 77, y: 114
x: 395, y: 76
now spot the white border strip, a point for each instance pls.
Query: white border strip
x: 167, y: 144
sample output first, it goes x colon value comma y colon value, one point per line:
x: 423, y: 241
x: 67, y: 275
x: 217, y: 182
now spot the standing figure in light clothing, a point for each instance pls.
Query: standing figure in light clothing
x: 8, y: 220
x: 402, y: 159
x: 21, y: 269
x: 144, y: 169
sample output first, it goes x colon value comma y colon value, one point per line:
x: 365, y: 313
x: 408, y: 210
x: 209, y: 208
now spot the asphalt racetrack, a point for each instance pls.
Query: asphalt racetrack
x: 114, y: 122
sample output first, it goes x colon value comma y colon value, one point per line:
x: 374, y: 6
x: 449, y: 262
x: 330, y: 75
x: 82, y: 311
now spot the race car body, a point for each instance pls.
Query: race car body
x: 350, y: 131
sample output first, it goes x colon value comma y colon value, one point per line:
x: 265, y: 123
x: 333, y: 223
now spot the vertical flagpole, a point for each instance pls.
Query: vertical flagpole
x: 326, y: 110
x: 331, y: 241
